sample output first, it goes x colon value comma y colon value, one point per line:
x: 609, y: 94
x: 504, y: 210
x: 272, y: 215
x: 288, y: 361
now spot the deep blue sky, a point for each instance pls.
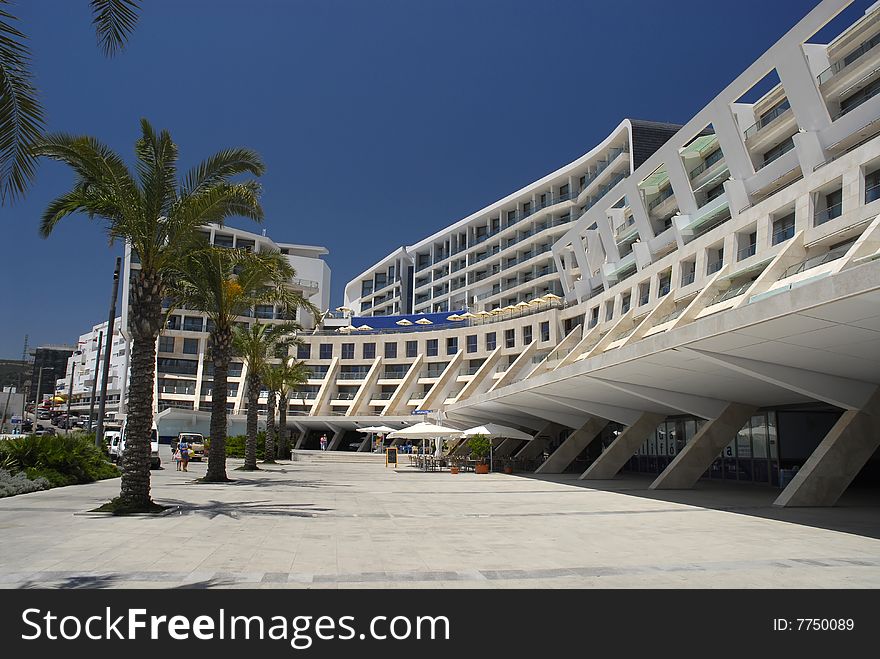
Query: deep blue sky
x: 381, y: 121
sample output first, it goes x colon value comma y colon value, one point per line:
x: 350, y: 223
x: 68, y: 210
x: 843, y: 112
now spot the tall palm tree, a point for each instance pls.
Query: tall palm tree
x: 226, y: 284
x: 256, y: 344
x: 279, y: 379
x: 21, y: 114
x: 162, y: 221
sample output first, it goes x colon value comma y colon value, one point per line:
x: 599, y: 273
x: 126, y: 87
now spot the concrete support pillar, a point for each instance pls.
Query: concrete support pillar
x: 366, y: 444
x: 533, y: 448
x: 301, y: 439
x: 507, y: 447
x: 688, y: 466
x: 571, y: 447
x: 622, y: 448
x: 336, y: 440
x: 837, y: 460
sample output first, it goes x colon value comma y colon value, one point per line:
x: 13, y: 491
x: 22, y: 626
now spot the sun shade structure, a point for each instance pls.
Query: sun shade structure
x: 423, y: 321
x: 468, y: 316
x: 344, y: 330
x: 522, y: 305
x: 454, y: 318
x: 364, y: 328
x: 404, y: 322
x: 425, y: 431
x: 551, y: 297
x: 376, y: 429
x: 496, y: 430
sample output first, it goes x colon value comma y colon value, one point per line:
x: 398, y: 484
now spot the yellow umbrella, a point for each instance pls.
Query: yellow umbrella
x: 423, y: 321
x: 483, y: 314
x: 454, y: 317
x: 404, y: 321
x: 537, y: 301
x: 364, y: 328
x: 509, y: 307
x: 497, y: 310
x: 551, y: 297
x: 467, y: 316
x: 522, y: 305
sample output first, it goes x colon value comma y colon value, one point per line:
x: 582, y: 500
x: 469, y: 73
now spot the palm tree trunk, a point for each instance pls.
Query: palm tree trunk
x: 282, y: 426
x: 250, y: 448
x: 269, y: 454
x: 221, y: 348
x: 145, y: 323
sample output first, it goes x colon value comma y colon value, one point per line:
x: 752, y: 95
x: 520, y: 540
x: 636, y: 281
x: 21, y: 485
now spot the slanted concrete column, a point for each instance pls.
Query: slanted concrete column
x: 622, y: 448
x: 571, y: 447
x: 533, y: 448
x: 693, y: 461
x: 301, y: 439
x: 837, y: 460
x: 336, y: 440
x: 507, y: 447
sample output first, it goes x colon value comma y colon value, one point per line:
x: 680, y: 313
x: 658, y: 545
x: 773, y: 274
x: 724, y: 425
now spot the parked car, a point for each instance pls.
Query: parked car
x: 44, y: 431
x: 44, y: 415
x: 111, y: 441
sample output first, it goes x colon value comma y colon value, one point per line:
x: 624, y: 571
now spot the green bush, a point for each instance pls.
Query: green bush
x: 235, y: 445
x: 479, y: 446
x: 59, y: 459
x: 20, y: 484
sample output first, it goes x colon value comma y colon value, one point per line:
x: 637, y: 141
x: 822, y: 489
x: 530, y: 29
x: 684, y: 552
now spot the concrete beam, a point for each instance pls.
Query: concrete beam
x: 706, y: 408
x: 508, y: 447
x: 611, y: 412
x: 837, y: 460
x: 622, y: 448
x: 842, y: 392
x: 533, y: 448
x: 338, y: 434
x: 695, y: 458
x: 562, y: 418
x: 572, y: 446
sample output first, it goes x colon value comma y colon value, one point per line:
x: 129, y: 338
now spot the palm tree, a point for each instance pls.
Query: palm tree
x: 162, y: 221
x: 226, y: 284
x: 21, y: 114
x: 279, y: 379
x: 254, y: 344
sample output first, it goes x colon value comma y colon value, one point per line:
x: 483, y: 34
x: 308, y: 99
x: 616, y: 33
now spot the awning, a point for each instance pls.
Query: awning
x: 699, y: 146
x: 655, y: 181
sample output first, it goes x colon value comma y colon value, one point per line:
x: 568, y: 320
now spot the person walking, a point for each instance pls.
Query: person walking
x: 324, y: 442
x: 177, y: 457
x: 183, y: 447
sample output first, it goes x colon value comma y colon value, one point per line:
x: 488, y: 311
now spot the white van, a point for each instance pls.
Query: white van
x: 155, y: 462
x: 111, y: 442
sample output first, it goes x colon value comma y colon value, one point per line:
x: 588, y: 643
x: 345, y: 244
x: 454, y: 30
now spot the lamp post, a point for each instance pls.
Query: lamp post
x: 105, y: 370
x: 69, y: 395
x: 95, y: 379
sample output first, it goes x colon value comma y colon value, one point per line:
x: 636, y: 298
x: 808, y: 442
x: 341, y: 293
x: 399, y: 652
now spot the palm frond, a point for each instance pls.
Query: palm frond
x: 21, y: 114
x: 157, y: 169
x: 114, y: 21
x: 220, y: 167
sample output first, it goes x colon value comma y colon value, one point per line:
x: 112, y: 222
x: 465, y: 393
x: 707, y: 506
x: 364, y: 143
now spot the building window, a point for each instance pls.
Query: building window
x: 166, y: 344
x: 190, y: 346
x: 173, y: 322
x: 412, y: 348
x: 509, y: 338
x: 609, y: 310
x: 304, y: 351
x: 490, y: 341
x: 432, y: 348
x: 872, y: 186
x: 390, y: 350
x: 369, y: 351
x: 471, y: 342
x: 192, y: 324
x: 594, y: 317
x: 527, y: 335
x: 348, y: 350
x: 452, y: 345
x: 326, y: 351
x: 545, y: 331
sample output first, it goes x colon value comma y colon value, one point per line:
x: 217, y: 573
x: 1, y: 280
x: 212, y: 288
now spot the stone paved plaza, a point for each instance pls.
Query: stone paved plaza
x: 345, y: 521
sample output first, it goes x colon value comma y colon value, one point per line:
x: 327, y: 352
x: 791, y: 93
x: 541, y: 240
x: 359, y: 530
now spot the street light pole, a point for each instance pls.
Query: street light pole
x: 95, y: 379
x: 99, y: 432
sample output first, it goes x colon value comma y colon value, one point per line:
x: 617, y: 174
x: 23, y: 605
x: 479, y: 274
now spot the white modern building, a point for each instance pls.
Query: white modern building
x: 182, y: 396
x: 718, y: 283
x: 86, y: 364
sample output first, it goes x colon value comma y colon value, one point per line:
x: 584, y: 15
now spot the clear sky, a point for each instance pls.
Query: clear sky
x: 381, y: 121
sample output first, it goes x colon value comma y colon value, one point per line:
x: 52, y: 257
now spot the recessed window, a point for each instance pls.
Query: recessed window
x: 490, y: 341
x: 304, y: 351
x: 527, y: 335
x: 432, y: 348
x: 166, y: 344
x: 326, y: 351
x: 369, y: 351
x: 412, y: 348
x: 390, y: 350
x: 190, y: 346
x: 451, y: 345
x: 348, y: 350
x: 509, y: 338
x: 471, y: 343
x: 545, y: 331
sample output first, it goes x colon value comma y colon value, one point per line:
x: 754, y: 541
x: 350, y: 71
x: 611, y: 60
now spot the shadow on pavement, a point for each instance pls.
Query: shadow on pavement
x: 857, y: 512
x: 236, y: 509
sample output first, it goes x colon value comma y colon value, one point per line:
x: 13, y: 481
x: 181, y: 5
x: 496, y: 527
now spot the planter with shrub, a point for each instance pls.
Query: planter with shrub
x: 479, y: 450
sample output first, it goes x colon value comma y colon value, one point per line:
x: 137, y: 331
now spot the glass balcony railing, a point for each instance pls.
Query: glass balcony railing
x: 383, y: 395
x: 767, y: 119
x: 714, y: 266
x: 841, y: 64
x: 746, y: 252
x: 665, y: 194
x: 643, y: 299
x: 782, y: 235
x: 816, y: 261
x: 688, y: 278
x: 872, y: 193
x: 352, y: 376
x: 344, y: 396
x: 730, y: 293
x: 823, y: 216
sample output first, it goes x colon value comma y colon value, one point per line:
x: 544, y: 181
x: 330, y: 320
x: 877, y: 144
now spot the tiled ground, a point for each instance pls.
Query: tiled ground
x: 338, y: 524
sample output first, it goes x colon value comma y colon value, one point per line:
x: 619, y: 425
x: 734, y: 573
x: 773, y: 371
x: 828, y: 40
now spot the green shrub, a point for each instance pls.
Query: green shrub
x: 10, y: 484
x: 59, y: 459
x: 479, y: 446
x: 236, y: 443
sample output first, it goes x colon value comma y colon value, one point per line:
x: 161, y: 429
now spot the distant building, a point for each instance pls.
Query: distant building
x: 54, y: 359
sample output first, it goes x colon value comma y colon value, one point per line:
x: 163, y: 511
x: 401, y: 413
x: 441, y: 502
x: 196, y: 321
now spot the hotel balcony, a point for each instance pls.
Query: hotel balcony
x: 705, y: 219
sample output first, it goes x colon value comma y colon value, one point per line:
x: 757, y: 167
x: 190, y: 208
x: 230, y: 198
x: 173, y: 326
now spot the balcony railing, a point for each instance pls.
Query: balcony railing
x: 352, y: 376
x: 823, y: 216
x: 746, y: 252
x: 663, y: 196
x: 841, y: 64
x: 688, y: 278
x: 816, y: 261
x: 872, y: 193
x: 714, y: 266
x: 767, y: 119
x: 782, y: 235
x: 730, y: 293
x: 344, y: 396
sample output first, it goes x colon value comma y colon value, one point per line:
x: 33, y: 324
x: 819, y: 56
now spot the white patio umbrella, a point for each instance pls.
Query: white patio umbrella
x: 375, y: 430
x: 404, y: 322
x: 364, y: 328
x: 426, y: 431
x: 423, y: 321
x: 493, y: 430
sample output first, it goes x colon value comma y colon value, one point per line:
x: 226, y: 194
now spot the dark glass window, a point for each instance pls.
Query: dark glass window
x: 166, y: 344
x: 527, y: 335
x: 304, y: 351
x: 348, y: 350
x: 190, y: 346
x: 390, y: 350
x: 432, y: 348
x: 451, y: 345
x: 412, y: 348
x: 509, y: 338
x: 472, y: 343
x: 490, y: 341
x: 326, y: 351
x: 545, y: 331
x: 369, y: 351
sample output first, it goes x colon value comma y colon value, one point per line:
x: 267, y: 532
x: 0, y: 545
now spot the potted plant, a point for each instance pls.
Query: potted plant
x: 479, y: 447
